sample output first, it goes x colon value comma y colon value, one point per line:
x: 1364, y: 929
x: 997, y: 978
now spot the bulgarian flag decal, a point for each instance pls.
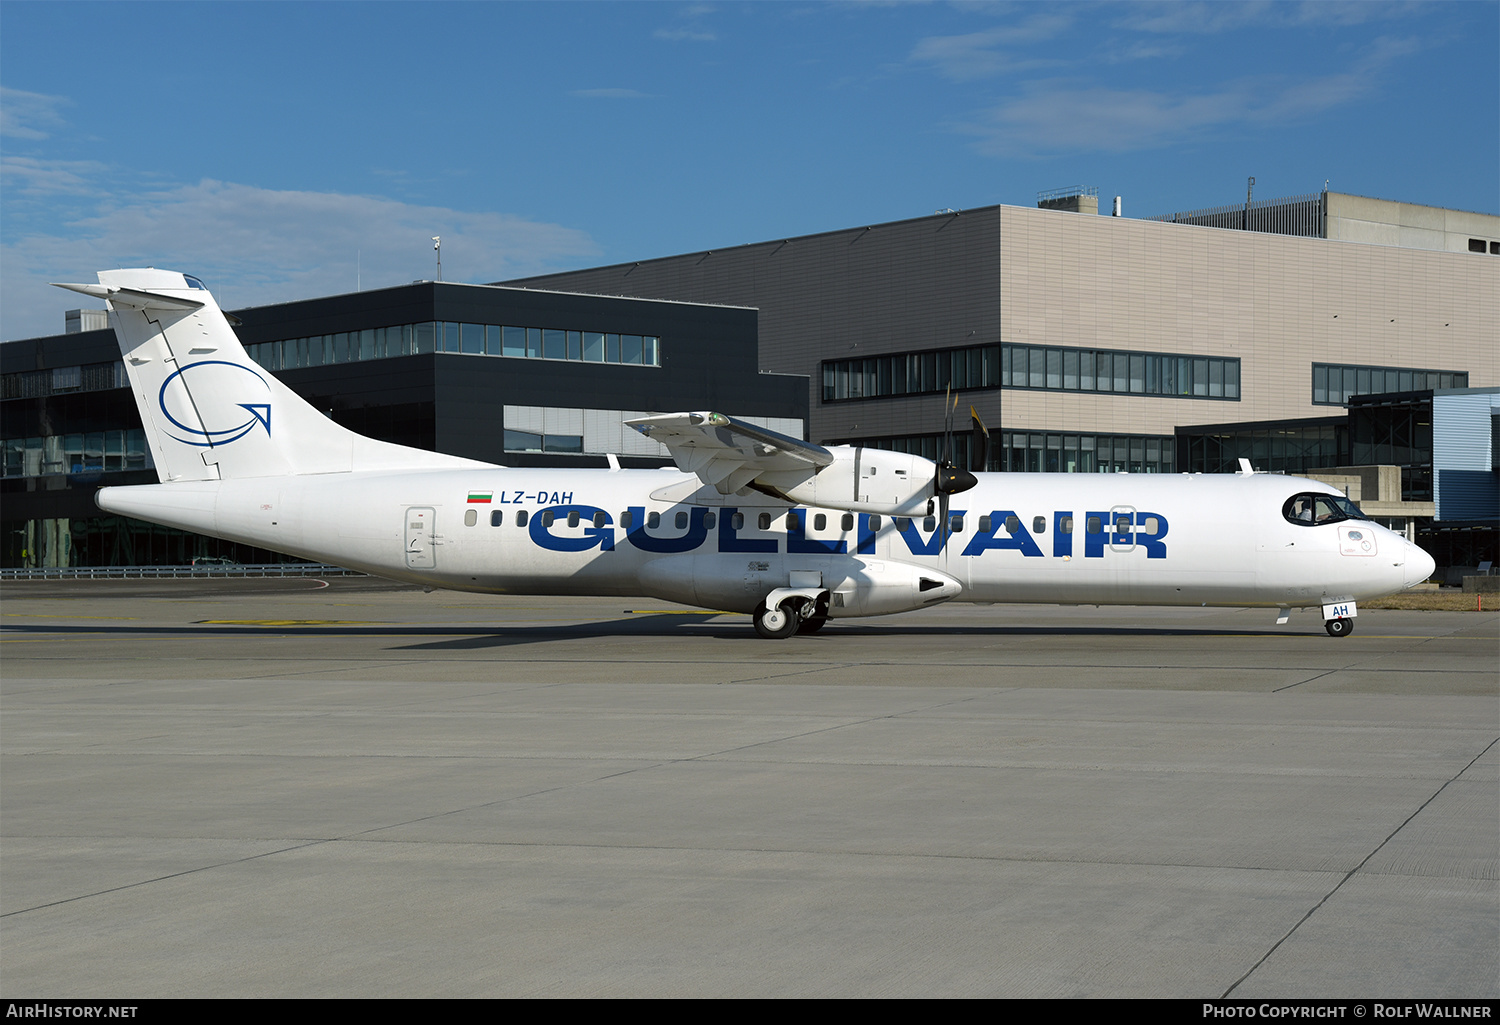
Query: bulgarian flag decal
x: 480, y: 497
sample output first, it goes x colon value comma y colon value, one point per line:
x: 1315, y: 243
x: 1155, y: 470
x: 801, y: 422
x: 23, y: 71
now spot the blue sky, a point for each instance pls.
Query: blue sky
x: 288, y: 150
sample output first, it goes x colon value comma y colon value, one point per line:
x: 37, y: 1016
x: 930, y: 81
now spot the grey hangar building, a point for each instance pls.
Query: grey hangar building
x: 1352, y: 339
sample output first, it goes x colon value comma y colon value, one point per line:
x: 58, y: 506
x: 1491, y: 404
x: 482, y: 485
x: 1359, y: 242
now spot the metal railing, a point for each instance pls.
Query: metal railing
x: 1290, y: 215
x: 269, y: 569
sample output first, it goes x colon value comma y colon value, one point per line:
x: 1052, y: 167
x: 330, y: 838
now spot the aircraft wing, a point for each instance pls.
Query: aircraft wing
x: 730, y: 453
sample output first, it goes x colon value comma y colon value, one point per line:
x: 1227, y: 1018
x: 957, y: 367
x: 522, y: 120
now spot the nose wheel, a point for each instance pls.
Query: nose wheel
x: 1339, y: 627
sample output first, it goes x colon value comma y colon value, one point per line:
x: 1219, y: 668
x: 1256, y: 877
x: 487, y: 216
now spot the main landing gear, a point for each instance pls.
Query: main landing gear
x: 792, y: 616
x: 1339, y: 627
x: 777, y: 623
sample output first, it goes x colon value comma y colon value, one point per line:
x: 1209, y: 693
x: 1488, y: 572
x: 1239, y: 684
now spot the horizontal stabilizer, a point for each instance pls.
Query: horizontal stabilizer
x: 135, y: 298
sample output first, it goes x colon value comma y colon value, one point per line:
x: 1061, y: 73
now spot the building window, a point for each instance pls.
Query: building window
x: 445, y: 336
x: 1334, y: 383
x: 1039, y: 367
x: 1043, y: 451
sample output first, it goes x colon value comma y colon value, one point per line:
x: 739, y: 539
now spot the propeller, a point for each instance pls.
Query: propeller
x: 949, y: 479
x: 979, y: 445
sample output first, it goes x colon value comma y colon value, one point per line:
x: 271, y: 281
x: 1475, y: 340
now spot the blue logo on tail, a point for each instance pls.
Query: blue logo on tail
x: 221, y: 422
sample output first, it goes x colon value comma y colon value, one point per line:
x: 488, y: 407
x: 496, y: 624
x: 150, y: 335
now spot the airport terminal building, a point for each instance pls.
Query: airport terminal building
x: 1181, y: 343
x: 1326, y: 333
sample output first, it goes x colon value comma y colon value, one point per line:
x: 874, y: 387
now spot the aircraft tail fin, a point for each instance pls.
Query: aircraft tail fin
x: 209, y: 411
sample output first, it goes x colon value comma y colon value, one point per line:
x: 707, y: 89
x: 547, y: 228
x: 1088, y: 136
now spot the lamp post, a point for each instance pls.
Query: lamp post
x: 437, y: 245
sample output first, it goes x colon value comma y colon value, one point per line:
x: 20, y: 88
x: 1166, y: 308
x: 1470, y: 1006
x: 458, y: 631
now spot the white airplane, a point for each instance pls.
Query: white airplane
x: 751, y: 521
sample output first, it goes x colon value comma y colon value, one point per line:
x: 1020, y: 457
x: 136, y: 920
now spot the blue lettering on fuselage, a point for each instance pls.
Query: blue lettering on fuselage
x: 602, y: 537
x: 514, y: 497
x: 1101, y: 532
x: 1021, y: 540
x: 697, y: 532
x: 730, y: 540
x: 798, y: 543
x: 915, y: 543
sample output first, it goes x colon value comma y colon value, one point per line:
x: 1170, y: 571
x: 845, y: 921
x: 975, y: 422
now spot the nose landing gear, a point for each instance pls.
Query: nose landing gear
x: 1339, y: 627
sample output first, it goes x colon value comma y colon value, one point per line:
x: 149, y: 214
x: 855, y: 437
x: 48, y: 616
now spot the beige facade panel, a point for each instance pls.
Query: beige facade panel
x: 1022, y: 275
x: 1384, y: 222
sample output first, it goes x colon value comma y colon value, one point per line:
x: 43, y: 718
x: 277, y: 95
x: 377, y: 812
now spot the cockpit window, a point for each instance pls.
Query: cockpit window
x: 193, y: 282
x: 1313, y: 508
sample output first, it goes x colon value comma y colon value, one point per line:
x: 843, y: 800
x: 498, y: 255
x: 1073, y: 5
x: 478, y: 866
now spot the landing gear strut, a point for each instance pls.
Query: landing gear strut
x: 1339, y: 627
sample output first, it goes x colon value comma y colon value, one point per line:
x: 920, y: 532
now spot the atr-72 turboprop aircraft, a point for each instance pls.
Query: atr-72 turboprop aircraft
x: 752, y: 521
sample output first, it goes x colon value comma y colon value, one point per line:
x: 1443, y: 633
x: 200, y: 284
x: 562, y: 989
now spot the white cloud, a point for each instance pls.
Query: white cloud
x: 1056, y: 116
x: 975, y: 55
x: 1207, y: 18
x: 29, y: 176
x: 26, y: 115
x: 254, y: 245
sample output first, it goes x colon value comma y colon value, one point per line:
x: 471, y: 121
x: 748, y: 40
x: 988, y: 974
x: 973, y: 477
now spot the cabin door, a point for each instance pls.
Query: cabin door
x: 421, y: 538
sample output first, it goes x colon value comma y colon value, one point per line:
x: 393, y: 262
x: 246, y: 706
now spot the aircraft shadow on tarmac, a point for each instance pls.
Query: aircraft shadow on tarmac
x: 674, y: 624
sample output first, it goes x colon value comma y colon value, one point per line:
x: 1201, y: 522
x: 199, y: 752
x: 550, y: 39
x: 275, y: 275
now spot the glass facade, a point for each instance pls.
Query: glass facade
x: 466, y: 339
x: 1333, y: 383
x: 1038, y: 367
x: 1395, y: 432
x: 1288, y: 446
x: 36, y: 384
x: 1044, y: 451
x: 96, y: 451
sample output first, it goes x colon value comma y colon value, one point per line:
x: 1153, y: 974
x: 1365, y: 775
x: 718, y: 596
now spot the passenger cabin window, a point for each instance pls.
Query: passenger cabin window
x: 1150, y: 525
x: 764, y: 521
x: 681, y: 519
x: 625, y: 520
x: 522, y: 517
x: 1094, y: 525
x: 497, y: 517
x: 956, y: 523
x: 1066, y: 526
x: 599, y: 518
x: 709, y: 520
x: 471, y: 517
x: 1012, y: 524
x: 1312, y: 509
x: 547, y: 518
x: 1039, y: 524
x: 929, y: 524
x: 653, y: 520
x: 986, y: 525
x: 573, y: 518
x: 874, y: 523
x: 846, y: 522
x: 737, y: 521
x: 820, y: 522
x: 903, y: 522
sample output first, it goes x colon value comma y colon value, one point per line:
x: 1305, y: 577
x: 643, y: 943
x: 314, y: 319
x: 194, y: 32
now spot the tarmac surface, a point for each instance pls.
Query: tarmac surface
x: 286, y: 788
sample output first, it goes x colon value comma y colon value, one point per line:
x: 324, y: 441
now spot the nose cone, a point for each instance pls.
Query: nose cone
x: 953, y: 479
x: 1419, y: 565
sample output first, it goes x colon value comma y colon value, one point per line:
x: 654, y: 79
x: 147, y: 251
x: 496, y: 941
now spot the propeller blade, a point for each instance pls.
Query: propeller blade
x: 979, y: 445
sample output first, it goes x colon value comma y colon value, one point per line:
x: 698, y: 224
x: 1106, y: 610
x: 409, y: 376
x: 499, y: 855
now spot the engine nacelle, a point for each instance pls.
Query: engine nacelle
x: 860, y: 480
x: 738, y: 583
